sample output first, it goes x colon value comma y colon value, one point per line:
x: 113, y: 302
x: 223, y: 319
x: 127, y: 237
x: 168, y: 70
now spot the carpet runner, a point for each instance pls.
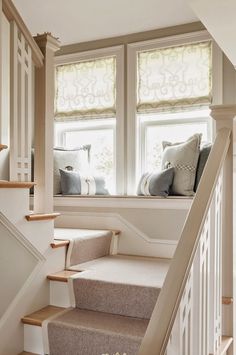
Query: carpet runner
x: 114, y: 297
x: 85, y: 244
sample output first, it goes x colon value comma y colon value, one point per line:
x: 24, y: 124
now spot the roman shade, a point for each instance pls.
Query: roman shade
x: 173, y: 77
x: 86, y: 89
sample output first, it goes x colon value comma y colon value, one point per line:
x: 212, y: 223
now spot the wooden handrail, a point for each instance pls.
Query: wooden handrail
x: 160, y: 326
x: 12, y: 14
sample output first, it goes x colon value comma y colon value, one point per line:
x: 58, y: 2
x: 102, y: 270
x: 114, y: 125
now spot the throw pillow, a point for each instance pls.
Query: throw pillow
x: 156, y: 184
x: 204, y: 154
x: 73, y: 183
x: 62, y: 159
x: 183, y: 157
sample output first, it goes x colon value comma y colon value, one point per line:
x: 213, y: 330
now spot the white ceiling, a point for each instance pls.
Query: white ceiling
x: 84, y: 20
x: 220, y: 23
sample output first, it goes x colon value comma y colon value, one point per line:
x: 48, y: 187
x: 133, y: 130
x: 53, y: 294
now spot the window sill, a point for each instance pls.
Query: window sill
x: 152, y: 202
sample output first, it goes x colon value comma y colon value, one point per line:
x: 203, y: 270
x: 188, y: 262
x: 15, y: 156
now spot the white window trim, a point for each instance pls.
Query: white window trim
x: 132, y: 122
x: 117, y: 51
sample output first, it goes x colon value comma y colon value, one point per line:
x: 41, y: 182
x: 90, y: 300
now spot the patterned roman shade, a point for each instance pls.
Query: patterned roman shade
x: 86, y: 89
x: 179, y: 76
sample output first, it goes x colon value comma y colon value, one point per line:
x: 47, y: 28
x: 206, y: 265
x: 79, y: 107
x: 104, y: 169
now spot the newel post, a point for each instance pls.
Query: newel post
x: 224, y: 116
x: 44, y: 124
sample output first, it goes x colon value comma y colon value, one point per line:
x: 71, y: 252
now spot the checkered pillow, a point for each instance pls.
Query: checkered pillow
x: 183, y: 157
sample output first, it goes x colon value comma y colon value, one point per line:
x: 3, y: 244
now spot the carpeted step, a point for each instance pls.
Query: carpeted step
x: 120, y: 284
x: 84, y: 244
x: 80, y: 332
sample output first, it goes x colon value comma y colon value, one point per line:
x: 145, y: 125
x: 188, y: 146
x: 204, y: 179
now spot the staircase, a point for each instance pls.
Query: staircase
x: 101, y: 307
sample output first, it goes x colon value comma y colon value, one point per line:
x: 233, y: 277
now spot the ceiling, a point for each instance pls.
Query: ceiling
x: 220, y: 23
x: 76, y: 21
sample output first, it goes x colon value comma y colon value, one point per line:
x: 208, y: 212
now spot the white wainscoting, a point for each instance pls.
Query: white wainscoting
x: 132, y: 240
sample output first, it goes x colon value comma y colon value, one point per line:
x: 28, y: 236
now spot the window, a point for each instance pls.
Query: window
x: 89, y: 110
x: 172, y: 81
x: 169, y: 89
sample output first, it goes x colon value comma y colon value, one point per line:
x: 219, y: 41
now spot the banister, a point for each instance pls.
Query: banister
x: 160, y: 326
x: 12, y: 14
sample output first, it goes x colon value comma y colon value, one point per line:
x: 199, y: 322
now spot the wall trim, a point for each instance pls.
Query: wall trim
x: 38, y: 256
x: 123, y: 221
x: 131, y: 241
x: 130, y: 38
x: 172, y: 203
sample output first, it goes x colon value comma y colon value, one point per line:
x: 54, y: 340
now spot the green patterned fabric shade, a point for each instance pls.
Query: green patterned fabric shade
x: 179, y: 76
x: 86, y: 89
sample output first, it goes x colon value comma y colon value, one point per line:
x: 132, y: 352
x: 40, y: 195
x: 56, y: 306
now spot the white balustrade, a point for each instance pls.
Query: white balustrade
x: 198, y: 324
x: 21, y: 106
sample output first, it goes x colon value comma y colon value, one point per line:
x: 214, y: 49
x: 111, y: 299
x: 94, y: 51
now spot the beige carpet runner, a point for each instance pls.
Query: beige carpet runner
x: 114, y: 298
x: 85, y: 244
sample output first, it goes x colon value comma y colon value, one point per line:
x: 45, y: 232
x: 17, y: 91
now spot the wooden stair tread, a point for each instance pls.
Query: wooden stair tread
x: 225, y: 344
x: 227, y: 301
x: 3, y: 146
x: 61, y: 276
x: 41, y: 216
x: 57, y: 243
x: 38, y: 317
x: 16, y: 184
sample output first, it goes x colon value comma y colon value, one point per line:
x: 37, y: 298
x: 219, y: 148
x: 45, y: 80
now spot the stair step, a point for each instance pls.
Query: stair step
x: 41, y: 216
x: 87, y: 332
x: 38, y: 317
x: 85, y: 244
x: 3, y: 146
x: 15, y: 184
x: 59, y: 243
x: 120, y: 284
x: 227, y: 301
x: 61, y: 276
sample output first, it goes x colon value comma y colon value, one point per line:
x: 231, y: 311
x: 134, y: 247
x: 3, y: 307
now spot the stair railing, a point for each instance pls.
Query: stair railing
x: 24, y: 56
x: 187, y: 318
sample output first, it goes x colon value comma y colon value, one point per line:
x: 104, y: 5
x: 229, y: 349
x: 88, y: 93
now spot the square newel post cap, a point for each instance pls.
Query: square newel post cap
x: 223, y: 112
x: 46, y: 40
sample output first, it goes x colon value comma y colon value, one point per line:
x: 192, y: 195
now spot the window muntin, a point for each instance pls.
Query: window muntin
x: 86, y: 89
x: 171, y: 77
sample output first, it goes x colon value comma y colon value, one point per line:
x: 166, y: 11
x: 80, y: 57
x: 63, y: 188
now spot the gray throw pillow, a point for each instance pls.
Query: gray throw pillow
x: 183, y: 157
x: 156, y: 184
x: 204, y: 154
x: 73, y: 183
x: 62, y: 159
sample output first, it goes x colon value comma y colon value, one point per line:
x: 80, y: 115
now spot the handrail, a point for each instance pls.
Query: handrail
x: 160, y: 326
x: 12, y: 14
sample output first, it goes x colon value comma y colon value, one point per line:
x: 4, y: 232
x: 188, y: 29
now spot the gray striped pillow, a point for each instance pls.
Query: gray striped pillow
x: 74, y: 183
x: 156, y: 184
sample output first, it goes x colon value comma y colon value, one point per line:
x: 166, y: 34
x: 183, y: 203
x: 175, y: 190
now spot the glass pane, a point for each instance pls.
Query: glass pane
x: 156, y: 134
x: 102, y: 152
x: 86, y: 89
x: 174, y: 76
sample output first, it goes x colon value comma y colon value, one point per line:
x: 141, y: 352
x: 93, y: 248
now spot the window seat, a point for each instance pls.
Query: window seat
x: 123, y: 201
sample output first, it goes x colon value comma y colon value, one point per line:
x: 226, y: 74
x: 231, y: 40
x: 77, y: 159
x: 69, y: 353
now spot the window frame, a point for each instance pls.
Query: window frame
x: 119, y: 143
x: 134, y: 146
x: 164, y: 122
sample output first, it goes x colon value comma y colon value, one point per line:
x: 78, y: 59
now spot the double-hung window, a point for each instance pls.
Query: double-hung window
x: 89, y: 110
x: 172, y: 82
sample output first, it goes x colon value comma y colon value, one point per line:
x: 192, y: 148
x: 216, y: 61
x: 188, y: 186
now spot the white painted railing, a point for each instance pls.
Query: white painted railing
x: 187, y: 319
x: 24, y: 55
